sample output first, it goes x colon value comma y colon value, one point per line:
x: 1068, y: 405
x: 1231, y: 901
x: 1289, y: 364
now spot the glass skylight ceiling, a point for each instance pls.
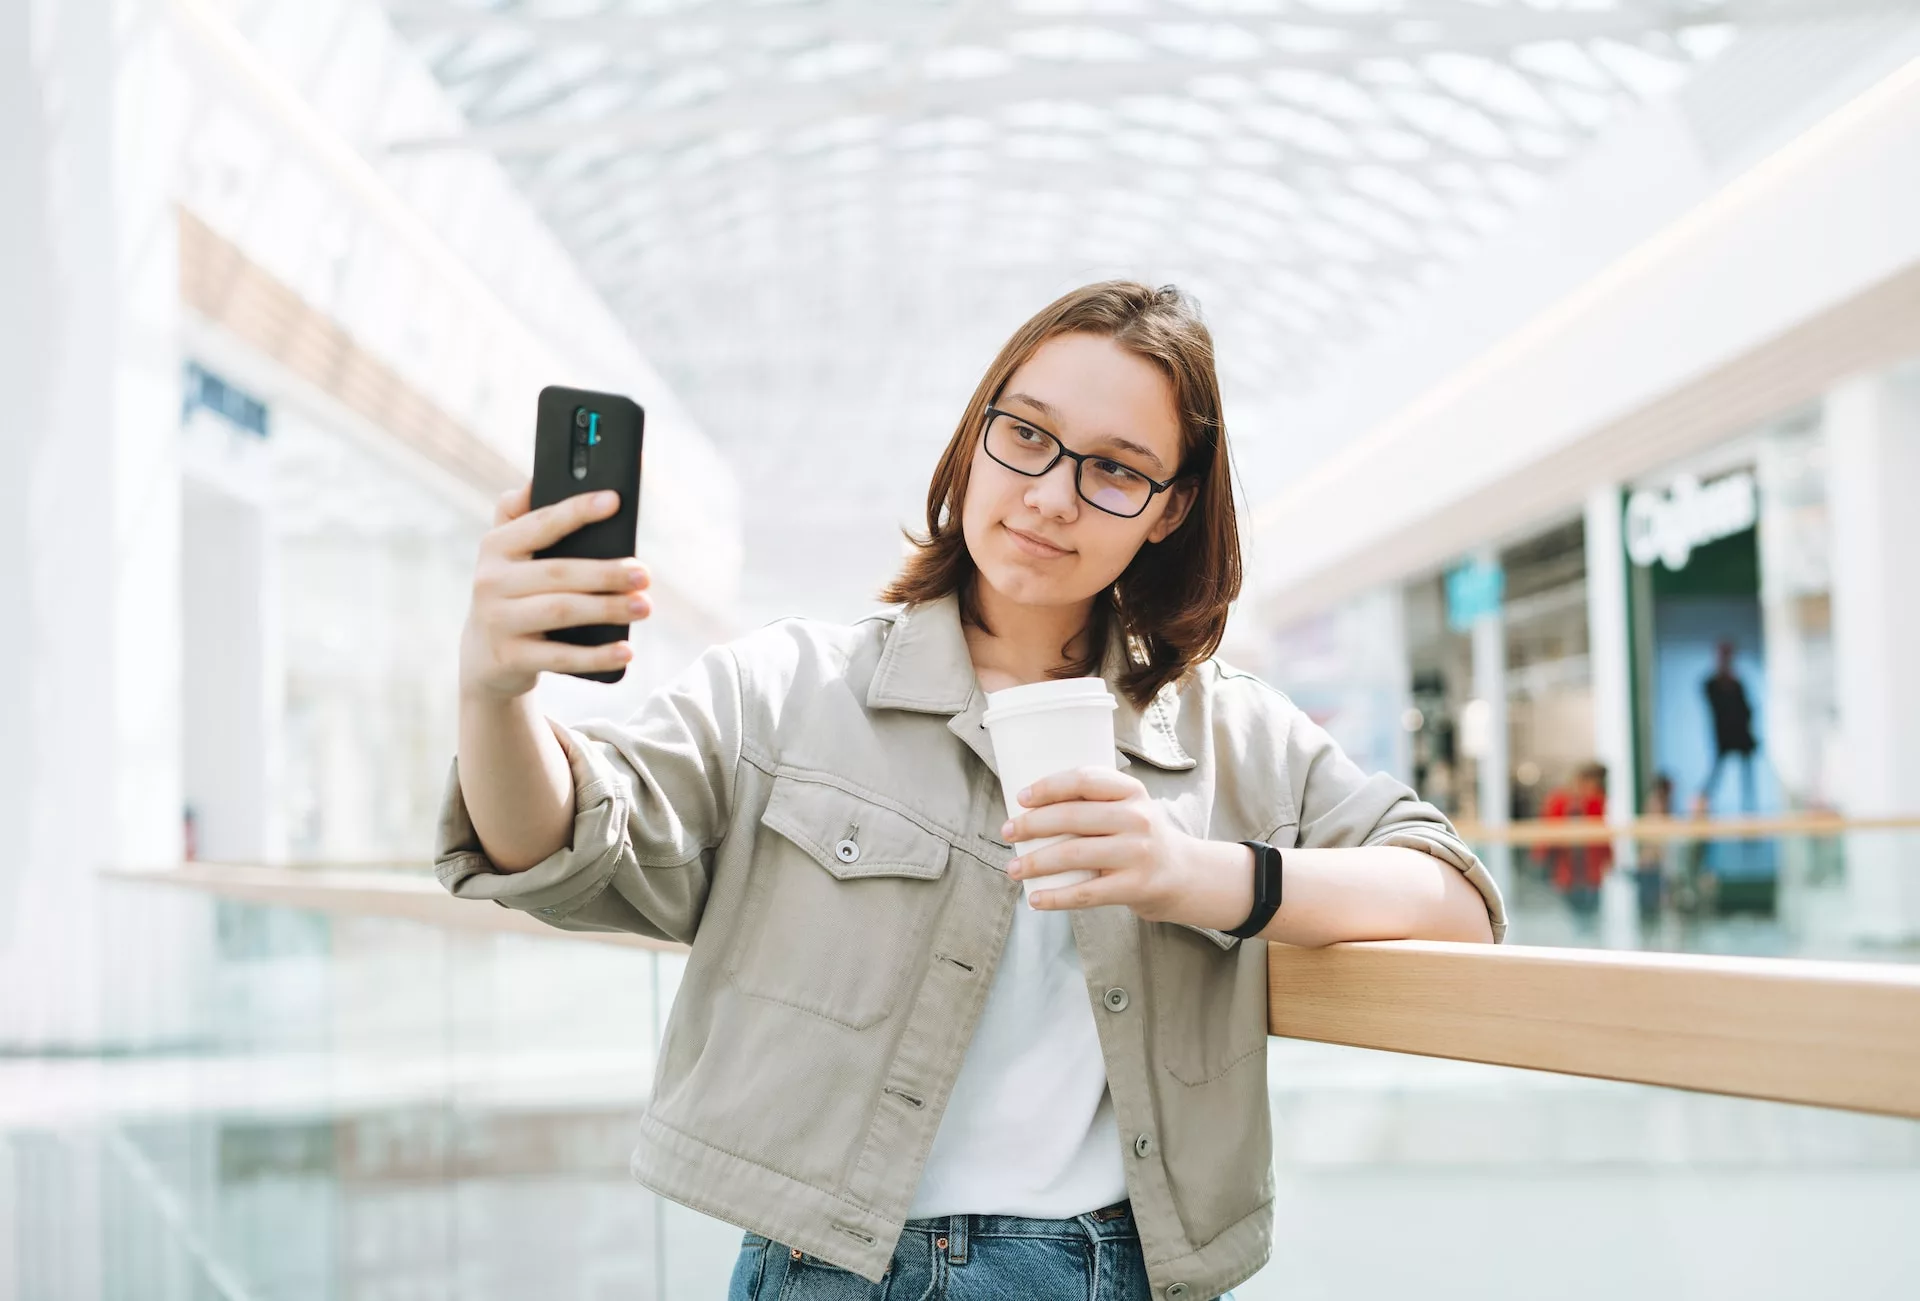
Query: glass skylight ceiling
x: 817, y: 215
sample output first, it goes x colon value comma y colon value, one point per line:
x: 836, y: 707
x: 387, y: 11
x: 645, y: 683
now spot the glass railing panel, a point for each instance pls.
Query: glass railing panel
x: 380, y: 1108
x: 1848, y: 895
x: 1404, y: 1176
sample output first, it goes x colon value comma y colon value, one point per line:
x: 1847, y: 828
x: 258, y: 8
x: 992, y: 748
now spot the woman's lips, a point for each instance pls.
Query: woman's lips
x: 1034, y: 546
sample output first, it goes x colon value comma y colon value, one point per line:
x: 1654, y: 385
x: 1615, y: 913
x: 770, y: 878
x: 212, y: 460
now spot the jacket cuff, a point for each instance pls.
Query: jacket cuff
x: 565, y: 879
x: 1444, y: 845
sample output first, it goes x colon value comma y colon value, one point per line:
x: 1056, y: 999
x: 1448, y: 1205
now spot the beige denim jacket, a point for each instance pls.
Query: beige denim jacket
x: 813, y: 809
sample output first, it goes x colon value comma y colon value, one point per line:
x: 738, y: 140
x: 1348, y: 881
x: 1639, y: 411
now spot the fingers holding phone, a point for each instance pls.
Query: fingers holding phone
x: 557, y: 586
x: 519, y: 596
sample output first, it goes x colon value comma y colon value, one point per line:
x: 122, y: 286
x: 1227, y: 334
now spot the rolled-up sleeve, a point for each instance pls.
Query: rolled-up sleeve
x: 1341, y: 805
x: 652, y: 797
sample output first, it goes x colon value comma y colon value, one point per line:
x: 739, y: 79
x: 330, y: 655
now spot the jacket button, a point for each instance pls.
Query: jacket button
x: 1116, y: 999
x: 1143, y: 1145
x: 847, y: 852
x: 1178, y: 1292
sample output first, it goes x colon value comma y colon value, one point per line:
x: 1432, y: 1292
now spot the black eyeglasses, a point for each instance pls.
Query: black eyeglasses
x: 1102, y: 482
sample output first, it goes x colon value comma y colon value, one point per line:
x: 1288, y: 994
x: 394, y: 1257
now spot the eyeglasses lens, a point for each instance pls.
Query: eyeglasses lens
x: 1031, y: 450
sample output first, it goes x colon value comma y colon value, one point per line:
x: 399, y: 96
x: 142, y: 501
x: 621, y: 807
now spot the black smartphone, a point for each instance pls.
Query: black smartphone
x: 585, y: 442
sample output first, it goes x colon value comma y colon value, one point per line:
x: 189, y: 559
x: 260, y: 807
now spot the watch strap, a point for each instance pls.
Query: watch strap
x: 1266, y: 890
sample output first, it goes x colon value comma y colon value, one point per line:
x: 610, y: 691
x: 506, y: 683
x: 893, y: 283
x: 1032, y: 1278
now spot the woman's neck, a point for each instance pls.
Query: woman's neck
x: 1025, y: 645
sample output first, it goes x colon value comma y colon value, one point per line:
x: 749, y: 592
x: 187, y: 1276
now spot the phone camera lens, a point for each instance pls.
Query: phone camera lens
x: 580, y: 417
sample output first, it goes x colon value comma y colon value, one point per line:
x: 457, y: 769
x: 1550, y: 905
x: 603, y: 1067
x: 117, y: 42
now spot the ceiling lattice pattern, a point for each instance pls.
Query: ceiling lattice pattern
x: 791, y: 202
x: 1332, y: 155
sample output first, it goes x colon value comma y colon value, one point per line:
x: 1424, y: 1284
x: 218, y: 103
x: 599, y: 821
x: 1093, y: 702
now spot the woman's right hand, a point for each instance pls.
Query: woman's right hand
x: 517, y: 599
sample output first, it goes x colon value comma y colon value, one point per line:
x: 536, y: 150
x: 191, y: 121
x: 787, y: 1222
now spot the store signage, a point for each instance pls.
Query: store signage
x: 1474, y: 592
x: 1667, y: 526
x: 206, y: 391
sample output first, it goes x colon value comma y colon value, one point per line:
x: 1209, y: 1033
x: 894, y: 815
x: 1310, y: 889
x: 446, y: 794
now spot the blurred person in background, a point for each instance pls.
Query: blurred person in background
x: 1576, y: 871
x: 880, y: 1061
x: 1732, y: 716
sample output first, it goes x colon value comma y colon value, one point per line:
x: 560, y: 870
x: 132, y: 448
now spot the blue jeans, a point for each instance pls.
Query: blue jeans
x: 1091, y: 1257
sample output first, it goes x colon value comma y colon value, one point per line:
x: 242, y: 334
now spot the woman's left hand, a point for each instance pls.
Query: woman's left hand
x: 1144, y: 861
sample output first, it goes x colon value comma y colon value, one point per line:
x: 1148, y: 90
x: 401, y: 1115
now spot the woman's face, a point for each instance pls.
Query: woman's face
x: 1036, y: 541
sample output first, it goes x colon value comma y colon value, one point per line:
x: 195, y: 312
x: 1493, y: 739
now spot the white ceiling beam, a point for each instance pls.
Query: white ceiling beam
x: 1311, y: 176
x: 870, y: 21
x: 794, y: 109
x: 796, y: 106
x: 1425, y: 26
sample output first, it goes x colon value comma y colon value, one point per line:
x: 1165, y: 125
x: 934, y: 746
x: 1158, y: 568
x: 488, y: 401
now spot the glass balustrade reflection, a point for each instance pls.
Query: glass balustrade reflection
x: 1845, y: 894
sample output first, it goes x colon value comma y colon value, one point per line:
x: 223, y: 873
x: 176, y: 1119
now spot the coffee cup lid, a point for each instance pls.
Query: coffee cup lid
x: 1058, y: 693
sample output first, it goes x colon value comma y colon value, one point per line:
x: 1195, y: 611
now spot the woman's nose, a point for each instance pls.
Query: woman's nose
x: 1055, y: 492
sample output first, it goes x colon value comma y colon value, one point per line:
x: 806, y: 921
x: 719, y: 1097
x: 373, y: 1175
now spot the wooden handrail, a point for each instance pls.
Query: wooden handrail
x: 1592, y: 831
x: 1528, y: 831
x: 406, y: 896
x: 1829, y: 1034
x: 1832, y: 1034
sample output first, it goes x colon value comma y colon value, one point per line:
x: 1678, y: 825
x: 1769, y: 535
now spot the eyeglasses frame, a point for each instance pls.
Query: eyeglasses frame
x: 1080, y: 459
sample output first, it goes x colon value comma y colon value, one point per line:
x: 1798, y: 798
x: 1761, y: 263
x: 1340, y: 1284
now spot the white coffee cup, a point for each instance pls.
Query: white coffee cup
x: 1041, y: 729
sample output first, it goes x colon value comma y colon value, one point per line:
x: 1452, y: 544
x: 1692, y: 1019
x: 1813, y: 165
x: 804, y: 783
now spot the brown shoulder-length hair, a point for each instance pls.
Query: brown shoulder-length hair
x: 1170, y: 604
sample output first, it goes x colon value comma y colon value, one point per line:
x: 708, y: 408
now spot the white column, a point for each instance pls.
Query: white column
x: 1609, y: 633
x: 1873, y: 444
x: 1493, y: 782
x: 1608, y: 638
x: 1801, y: 709
x: 1794, y: 569
x: 89, y: 566
x: 232, y: 679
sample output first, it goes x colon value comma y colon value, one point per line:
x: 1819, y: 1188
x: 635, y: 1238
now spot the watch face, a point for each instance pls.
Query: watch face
x: 1269, y: 879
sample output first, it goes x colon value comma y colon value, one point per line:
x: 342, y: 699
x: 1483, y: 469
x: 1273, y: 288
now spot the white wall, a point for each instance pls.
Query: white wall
x: 90, y: 753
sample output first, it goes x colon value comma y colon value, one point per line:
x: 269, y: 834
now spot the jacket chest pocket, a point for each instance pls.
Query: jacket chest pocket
x: 840, y: 898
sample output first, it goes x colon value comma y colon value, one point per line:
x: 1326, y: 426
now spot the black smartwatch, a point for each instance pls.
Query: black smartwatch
x: 1266, y: 890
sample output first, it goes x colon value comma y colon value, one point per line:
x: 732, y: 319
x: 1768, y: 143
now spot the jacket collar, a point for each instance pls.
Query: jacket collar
x: 925, y: 667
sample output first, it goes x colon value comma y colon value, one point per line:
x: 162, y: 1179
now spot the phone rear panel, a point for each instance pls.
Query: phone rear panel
x: 585, y: 442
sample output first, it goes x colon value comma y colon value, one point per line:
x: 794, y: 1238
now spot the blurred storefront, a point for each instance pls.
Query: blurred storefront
x: 1720, y: 633
x: 1531, y: 595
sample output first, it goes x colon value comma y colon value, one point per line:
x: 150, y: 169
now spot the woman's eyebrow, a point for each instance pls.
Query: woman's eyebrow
x: 1051, y: 412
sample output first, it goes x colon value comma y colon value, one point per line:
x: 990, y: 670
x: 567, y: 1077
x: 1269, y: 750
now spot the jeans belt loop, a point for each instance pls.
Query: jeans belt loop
x: 957, y: 1239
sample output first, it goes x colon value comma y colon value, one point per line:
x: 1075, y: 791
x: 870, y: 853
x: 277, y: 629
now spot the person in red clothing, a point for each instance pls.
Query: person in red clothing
x: 1576, y: 870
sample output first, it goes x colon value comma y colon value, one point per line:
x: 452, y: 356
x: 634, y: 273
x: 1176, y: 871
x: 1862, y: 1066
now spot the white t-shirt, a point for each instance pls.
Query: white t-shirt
x: 1029, y: 1129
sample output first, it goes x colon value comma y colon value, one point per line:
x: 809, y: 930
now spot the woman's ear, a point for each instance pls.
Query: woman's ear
x: 1180, y: 499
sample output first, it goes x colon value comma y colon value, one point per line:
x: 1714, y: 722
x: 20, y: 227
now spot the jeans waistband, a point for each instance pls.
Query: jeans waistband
x: 1109, y: 1222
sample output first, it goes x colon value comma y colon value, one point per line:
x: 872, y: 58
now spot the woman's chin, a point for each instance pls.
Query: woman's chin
x: 1022, y: 586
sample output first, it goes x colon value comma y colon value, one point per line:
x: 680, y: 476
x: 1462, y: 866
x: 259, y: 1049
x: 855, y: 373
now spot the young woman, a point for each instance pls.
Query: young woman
x: 902, y: 1080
